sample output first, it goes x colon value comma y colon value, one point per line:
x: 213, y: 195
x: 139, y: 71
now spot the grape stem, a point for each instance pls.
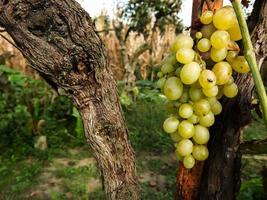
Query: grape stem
x: 251, y: 57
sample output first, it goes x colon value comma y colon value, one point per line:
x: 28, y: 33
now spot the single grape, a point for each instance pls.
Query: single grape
x: 220, y: 94
x: 234, y: 32
x: 230, y: 91
x: 220, y: 39
x: 224, y: 18
x: 195, y: 94
x: 230, y: 81
x: 189, y: 162
x: 201, y: 107
x: 207, y: 79
x: 212, y: 100
x: 203, y: 45
x: 240, y: 65
x: 170, y: 59
x: 178, y: 71
x: 182, y: 41
x: 231, y: 55
x: 207, y: 120
x: 176, y: 136
x: 170, y: 125
x: 207, y: 30
x: 218, y: 55
x: 171, y: 107
x: 186, y: 129
x: 185, y: 55
x: 200, y: 152
x: 186, y: 110
x: 177, y: 155
x: 167, y: 68
x: 185, y: 147
x: 202, y: 135
x: 198, y: 35
x: 206, y: 17
x: 216, y: 108
x: 161, y: 82
x: 190, y: 73
x: 173, y: 88
x: 211, y: 92
x: 185, y: 96
x: 223, y: 72
x: 194, y: 119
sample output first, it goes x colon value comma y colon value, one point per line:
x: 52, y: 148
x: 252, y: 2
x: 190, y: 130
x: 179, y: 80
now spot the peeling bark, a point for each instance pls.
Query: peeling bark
x: 59, y: 40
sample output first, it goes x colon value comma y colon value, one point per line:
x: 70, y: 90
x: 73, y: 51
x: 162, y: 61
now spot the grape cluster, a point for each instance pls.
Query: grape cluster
x: 194, y: 76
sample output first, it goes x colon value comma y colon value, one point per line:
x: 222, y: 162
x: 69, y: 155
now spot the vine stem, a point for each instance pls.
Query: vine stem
x: 251, y: 57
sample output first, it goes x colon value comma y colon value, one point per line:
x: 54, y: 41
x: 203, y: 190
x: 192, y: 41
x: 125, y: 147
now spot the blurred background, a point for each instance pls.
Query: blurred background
x: 43, y: 153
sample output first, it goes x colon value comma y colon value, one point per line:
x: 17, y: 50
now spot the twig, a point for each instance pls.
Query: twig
x: 251, y: 57
x: 9, y: 41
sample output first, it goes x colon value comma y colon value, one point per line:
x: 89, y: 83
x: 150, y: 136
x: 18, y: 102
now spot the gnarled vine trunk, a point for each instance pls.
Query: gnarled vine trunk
x: 58, y: 39
x: 219, y: 178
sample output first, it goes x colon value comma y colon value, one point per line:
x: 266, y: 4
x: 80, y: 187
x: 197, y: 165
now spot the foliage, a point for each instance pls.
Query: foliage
x: 139, y: 14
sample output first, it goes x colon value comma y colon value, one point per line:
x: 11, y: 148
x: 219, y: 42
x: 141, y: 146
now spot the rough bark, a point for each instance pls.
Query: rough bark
x: 58, y: 39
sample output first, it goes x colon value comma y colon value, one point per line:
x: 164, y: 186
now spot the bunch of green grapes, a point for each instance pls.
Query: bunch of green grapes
x: 194, y: 76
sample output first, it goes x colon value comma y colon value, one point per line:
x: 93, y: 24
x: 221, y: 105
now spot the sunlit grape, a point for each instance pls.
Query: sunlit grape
x: 224, y: 18
x: 190, y: 73
x: 185, y: 55
x: 201, y: 135
x: 207, y: 30
x: 189, y: 162
x: 200, y: 152
x: 173, y: 88
x: 216, y: 108
x: 201, y: 107
x: 234, y: 32
x: 176, y: 136
x: 223, y: 72
x: 220, y: 39
x: 211, y: 92
x: 198, y: 35
x: 231, y: 55
x: 206, y: 17
x: 230, y: 90
x: 203, y: 45
x: 218, y: 55
x: 207, y: 79
x: 186, y: 110
x: 170, y: 125
x: 182, y: 41
x: 207, y: 120
x: 194, y: 119
x: 240, y: 65
x: 186, y: 129
x: 185, y: 147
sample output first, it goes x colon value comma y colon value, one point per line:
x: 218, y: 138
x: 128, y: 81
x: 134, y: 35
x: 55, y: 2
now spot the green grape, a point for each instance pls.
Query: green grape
x: 207, y: 79
x: 230, y: 91
x: 173, y: 88
x: 211, y: 92
x: 203, y: 45
x: 171, y: 107
x: 223, y: 72
x: 195, y: 94
x: 224, y: 18
x: 220, y: 39
x: 220, y: 94
x: 234, y: 32
x: 159, y: 74
x: 207, y: 30
x: 207, y: 120
x: 186, y: 129
x: 185, y: 97
x: 206, y: 17
x: 184, y: 147
x: 231, y: 55
x: 170, y: 59
x: 167, y: 68
x: 240, y: 65
x: 218, y: 55
x: 193, y: 119
x: 198, y: 35
x: 216, y: 108
x: 185, y: 55
x: 200, y: 152
x: 170, y: 125
x: 176, y: 137
x: 190, y: 73
x: 201, y: 107
x: 186, y: 110
x: 161, y: 82
x: 202, y: 135
x: 189, y: 162
x: 182, y: 41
